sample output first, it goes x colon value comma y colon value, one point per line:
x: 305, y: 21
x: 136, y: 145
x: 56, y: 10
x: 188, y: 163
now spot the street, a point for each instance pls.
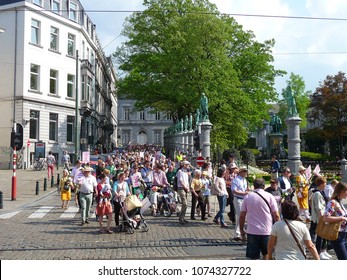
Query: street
x: 37, y: 228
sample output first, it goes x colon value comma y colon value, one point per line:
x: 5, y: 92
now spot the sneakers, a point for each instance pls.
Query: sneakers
x: 324, y: 256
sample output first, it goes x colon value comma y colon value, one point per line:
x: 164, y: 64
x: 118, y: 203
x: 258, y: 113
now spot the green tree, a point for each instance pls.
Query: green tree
x: 328, y: 110
x: 178, y: 49
x: 301, y: 96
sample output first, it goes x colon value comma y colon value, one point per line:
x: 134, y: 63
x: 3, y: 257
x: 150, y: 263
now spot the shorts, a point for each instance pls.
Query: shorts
x: 255, y: 245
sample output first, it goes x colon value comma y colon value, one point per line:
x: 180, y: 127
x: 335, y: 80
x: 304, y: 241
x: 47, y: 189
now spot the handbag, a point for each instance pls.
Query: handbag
x: 66, y: 187
x: 214, y: 190
x: 328, y: 230
x: 132, y: 202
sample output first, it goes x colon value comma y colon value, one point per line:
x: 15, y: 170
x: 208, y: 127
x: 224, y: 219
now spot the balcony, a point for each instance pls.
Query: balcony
x: 85, y: 108
x: 86, y: 67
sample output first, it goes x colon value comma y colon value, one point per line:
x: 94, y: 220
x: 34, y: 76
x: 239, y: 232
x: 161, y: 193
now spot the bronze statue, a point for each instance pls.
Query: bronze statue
x: 292, y: 110
x: 276, y: 123
x: 203, y: 108
x: 190, y: 122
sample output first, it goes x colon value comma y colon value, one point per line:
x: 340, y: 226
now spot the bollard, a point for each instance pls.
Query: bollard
x: 1, y: 201
x: 52, y: 182
x: 58, y: 179
x: 45, y: 184
x: 37, y: 188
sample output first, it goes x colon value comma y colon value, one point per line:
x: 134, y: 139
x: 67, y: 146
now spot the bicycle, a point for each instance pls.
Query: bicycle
x: 40, y: 164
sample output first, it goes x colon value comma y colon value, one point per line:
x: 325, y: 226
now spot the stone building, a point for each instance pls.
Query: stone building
x: 55, y: 79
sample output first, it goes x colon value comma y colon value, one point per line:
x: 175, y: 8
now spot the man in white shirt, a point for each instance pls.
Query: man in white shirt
x: 240, y: 189
x: 87, y: 185
x: 286, y: 184
x: 183, y: 188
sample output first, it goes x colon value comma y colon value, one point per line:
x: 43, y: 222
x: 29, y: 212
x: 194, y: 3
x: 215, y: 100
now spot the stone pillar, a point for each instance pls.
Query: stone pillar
x: 344, y: 170
x: 205, y: 141
x: 293, y: 131
x: 191, y: 142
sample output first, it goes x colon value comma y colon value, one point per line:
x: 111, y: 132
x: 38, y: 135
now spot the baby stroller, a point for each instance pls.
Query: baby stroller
x: 168, y: 203
x: 132, y: 215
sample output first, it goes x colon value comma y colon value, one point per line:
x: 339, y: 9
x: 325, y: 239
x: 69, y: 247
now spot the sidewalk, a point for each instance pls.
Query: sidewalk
x: 26, y: 187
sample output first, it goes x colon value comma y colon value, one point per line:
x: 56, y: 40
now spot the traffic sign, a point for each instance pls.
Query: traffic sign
x: 28, y: 143
x: 200, y: 160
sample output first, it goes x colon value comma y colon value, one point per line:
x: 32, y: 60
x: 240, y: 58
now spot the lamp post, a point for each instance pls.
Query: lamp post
x: 77, y: 130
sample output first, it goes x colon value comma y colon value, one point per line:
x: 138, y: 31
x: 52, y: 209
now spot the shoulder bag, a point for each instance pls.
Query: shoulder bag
x: 214, y: 190
x: 273, y: 221
x: 328, y: 230
x: 296, y: 240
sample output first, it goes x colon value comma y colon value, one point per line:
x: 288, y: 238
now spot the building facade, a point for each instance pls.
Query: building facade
x: 55, y: 80
x: 140, y: 127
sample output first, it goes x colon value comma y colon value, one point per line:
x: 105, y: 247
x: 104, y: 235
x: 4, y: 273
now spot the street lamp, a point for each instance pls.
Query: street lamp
x: 2, y: 30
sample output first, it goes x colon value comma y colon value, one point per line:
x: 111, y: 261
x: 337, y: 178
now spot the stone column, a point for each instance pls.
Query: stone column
x: 205, y: 141
x: 344, y: 170
x: 191, y: 142
x: 293, y: 131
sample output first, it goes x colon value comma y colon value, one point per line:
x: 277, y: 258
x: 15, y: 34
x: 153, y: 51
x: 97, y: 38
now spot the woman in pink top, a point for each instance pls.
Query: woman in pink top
x: 221, y: 196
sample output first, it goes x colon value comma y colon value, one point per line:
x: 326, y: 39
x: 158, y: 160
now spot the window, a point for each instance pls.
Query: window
x: 38, y: 2
x: 70, y: 85
x: 35, y: 32
x: 89, y: 88
x: 53, y: 81
x: 73, y: 11
x: 157, y: 137
x: 125, y: 137
x: 71, y: 45
x: 70, y: 128
x: 83, y: 87
x: 126, y: 114
x: 142, y: 115
x: 56, y: 6
x: 54, y: 38
x: 53, y: 127
x: 34, y: 77
x: 157, y: 116
x: 34, y: 124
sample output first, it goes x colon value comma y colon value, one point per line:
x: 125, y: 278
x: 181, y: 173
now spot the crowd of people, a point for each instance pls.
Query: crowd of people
x: 276, y: 222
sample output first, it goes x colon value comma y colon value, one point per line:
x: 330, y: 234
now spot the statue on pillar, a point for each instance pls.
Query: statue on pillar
x: 190, y: 122
x: 203, y: 108
x: 197, y: 117
x: 292, y: 110
x: 186, y: 123
x: 181, y: 128
x: 276, y: 123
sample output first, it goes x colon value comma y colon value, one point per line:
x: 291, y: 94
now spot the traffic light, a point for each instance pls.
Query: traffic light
x: 17, y: 137
x: 196, y: 140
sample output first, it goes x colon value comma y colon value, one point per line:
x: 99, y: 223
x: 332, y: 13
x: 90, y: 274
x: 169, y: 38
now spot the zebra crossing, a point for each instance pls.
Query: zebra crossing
x: 43, y: 211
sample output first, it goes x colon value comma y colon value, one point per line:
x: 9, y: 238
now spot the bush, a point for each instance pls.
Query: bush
x: 247, y: 157
x: 267, y: 178
x: 315, y: 156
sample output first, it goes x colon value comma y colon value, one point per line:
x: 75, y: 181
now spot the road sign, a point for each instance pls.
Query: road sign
x: 28, y: 143
x: 200, y: 160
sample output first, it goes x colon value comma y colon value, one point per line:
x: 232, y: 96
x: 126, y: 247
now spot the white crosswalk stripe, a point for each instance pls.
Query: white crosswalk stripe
x: 70, y: 212
x: 9, y: 215
x: 40, y: 212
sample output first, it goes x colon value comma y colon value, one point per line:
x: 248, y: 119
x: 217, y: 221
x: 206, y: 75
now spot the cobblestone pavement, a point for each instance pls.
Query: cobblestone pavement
x: 34, y: 227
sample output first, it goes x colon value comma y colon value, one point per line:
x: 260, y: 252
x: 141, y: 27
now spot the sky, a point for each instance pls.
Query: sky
x: 310, y: 34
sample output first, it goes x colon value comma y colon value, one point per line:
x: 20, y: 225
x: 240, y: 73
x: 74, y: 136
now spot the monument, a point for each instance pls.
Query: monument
x: 275, y: 146
x: 206, y: 127
x: 293, y: 131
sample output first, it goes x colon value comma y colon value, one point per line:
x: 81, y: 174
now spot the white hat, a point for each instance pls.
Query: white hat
x: 185, y: 162
x: 232, y: 165
x: 302, y: 168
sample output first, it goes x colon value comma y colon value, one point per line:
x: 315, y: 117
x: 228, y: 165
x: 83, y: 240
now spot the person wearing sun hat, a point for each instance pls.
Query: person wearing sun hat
x: 302, y: 185
x: 87, y: 185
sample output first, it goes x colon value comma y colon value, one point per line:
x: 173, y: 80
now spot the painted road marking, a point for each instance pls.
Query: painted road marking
x: 70, y: 212
x: 40, y: 212
x: 9, y: 215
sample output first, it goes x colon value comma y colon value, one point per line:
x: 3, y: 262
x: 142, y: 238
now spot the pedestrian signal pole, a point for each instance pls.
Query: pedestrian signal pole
x: 16, y: 144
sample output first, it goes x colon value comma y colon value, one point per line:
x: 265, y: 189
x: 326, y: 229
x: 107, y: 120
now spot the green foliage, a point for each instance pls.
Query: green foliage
x: 329, y: 109
x: 315, y: 156
x: 247, y: 157
x: 177, y: 50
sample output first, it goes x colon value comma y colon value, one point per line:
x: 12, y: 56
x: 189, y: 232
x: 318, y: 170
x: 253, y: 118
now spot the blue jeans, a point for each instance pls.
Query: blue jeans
x: 222, y: 201
x: 340, y: 246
